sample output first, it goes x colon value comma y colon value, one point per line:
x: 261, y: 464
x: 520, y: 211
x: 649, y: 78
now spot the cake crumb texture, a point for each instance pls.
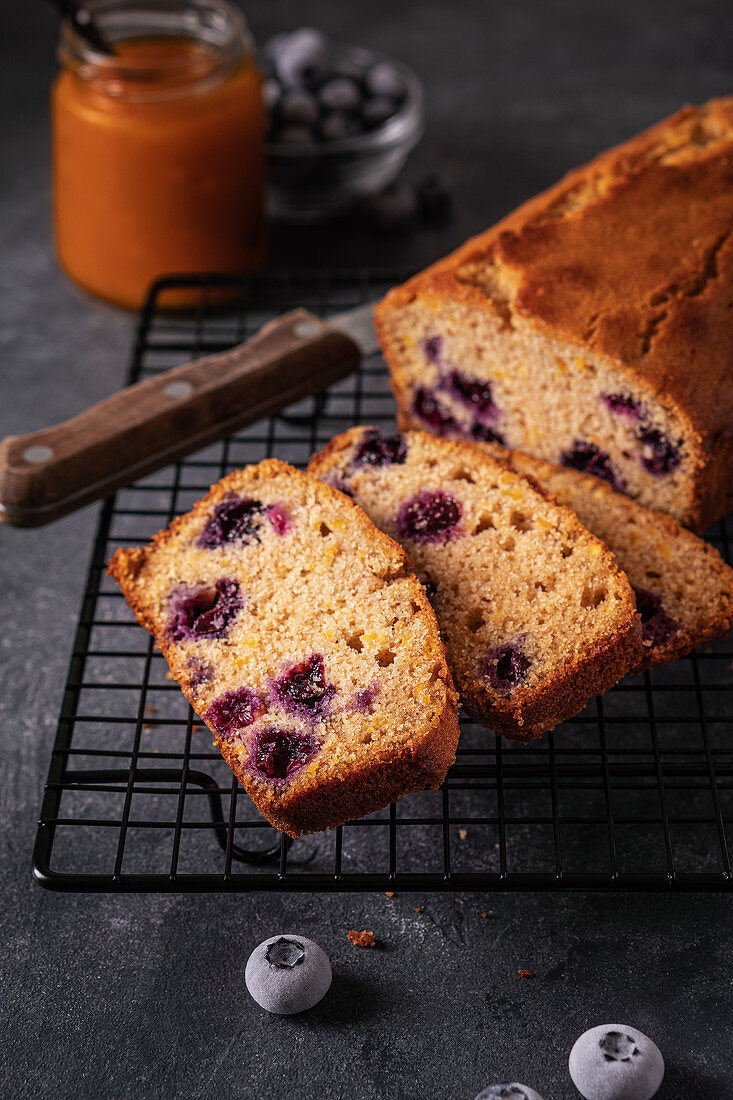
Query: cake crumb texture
x: 298, y: 633
x: 534, y: 611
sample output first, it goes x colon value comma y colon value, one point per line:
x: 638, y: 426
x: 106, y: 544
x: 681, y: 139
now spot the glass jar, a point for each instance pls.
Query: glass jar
x: 158, y: 147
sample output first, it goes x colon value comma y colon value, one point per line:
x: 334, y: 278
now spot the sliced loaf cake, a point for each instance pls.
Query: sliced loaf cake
x: 299, y: 634
x: 684, y: 589
x: 535, y: 613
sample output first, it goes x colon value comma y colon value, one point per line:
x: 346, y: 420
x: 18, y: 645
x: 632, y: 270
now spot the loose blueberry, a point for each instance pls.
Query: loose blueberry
x: 233, y: 711
x: 435, y: 199
x: 429, y: 517
x: 287, y: 974
x: 234, y: 520
x: 616, y: 1062
x: 659, y: 455
x: 299, y: 107
x: 362, y: 701
x: 339, y: 94
x: 432, y: 347
x: 303, y: 690
x: 513, y: 1091
x: 337, y: 126
x: 623, y: 404
x: 374, y: 449
x: 300, y: 61
x: 278, y: 754
x: 384, y: 79
x: 472, y: 393
x: 204, y: 611
x: 505, y: 667
x: 435, y: 416
x: 592, y: 460
x: 395, y: 210
x: 656, y: 624
x: 377, y: 110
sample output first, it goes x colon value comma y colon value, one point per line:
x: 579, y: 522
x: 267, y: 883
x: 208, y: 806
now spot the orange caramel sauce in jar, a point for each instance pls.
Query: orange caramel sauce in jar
x: 158, y: 148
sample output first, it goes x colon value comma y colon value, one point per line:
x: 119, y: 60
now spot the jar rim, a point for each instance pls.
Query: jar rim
x: 215, y: 23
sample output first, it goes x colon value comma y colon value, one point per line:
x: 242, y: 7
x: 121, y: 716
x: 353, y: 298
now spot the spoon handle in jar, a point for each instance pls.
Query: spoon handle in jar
x: 49, y: 473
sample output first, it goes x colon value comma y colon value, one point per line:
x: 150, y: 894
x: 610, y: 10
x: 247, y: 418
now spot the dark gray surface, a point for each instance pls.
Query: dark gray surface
x: 144, y: 996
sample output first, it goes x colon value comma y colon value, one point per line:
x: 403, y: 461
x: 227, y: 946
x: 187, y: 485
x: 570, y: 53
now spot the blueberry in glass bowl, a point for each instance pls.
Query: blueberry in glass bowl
x: 341, y: 123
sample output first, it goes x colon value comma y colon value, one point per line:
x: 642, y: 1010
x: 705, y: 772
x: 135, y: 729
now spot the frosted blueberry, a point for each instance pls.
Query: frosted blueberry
x: 377, y: 110
x: 294, y: 135
x: 395, y: 210
x: 339, y: 94
x: 513, y: 1091
x: 300, y: 61
x: 384, y: 79
x: 299, y: 107
x: 338, y: 125
x: 434, y: 197
x: 287, y: 974
x: 616, y: 1062
x: 271, y: 93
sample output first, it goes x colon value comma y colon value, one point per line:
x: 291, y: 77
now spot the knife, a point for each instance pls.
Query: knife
x: 46, y: 474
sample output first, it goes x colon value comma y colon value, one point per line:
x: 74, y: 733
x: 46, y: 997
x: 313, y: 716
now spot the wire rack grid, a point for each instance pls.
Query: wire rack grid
x: 634, y: 793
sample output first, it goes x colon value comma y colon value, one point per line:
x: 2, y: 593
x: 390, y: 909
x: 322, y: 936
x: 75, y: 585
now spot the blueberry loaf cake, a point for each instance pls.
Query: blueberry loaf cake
x: 593, y: 326
x: 683, y: 588
x: 535, y: 614
x: 300, y: 636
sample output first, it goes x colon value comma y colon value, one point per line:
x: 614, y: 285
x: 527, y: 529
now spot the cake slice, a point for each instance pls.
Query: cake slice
x: 535, y: 613
x: 684, y: 589
x: 302, y: 639
x: 592, y: 326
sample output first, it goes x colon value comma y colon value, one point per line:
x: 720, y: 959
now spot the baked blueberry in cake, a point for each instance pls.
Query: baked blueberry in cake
x: 299, y: 634
x: 683, y: 588
x: 535, y: 613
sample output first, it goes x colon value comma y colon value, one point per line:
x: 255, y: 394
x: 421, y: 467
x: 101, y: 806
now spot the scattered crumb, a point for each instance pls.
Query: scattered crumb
x: 483, y: 914
x: 146, y: 726
x: 463, y: 833
x: 151, y: 709
x: 496, y: 845
x: 524, y: 974
x: 362, y: 939
x: 417, y: 909
x: 389, y: 893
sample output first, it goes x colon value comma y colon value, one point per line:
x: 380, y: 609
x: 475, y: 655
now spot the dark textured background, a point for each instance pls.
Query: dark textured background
x: 144, y: 996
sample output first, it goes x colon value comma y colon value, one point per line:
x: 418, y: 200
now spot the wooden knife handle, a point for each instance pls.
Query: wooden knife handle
x: 46, y: 474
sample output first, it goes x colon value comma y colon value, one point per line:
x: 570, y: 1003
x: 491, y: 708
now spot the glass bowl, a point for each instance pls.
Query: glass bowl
x: 316, y: 181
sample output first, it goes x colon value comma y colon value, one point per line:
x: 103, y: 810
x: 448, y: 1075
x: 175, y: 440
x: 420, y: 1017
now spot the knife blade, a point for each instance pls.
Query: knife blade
x: 48, y: 473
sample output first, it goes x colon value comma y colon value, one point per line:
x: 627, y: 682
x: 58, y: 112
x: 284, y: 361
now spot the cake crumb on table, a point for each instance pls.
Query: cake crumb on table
x: 362, y: 939
x: 524, y: 974
x: 463, y: 833
x: 389, y: 893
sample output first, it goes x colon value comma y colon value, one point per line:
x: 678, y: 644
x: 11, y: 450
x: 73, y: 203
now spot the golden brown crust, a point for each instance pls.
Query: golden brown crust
x: 528, y: 712
x: 631, y: 256
x: 310, y: 804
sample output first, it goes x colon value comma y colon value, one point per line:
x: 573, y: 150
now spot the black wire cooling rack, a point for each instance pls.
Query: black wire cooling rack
x: 635, y: 793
